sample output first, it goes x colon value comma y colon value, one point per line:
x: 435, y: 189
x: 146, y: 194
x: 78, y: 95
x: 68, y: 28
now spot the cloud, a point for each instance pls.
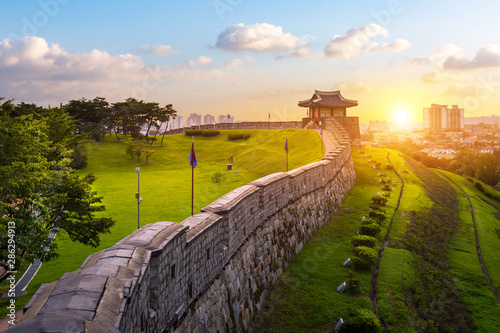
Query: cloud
x: 32, y: 70
x: 358, y: 41
x: 352, y: 87
x: 440, y: 54
x: 437, y: 76
x: 157, y: 49
x: 262, y: 37
x: 237, y: 63
x: 487, y: 57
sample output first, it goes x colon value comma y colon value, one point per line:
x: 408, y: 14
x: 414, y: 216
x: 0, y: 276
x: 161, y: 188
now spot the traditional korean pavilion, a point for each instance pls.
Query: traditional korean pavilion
x: 327, y: 104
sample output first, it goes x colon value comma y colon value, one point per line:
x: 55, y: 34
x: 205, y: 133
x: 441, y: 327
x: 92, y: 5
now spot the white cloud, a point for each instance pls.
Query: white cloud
x: 32, y: 70
x: 440, y: 54
x: 358, y: 41
x: 487, y: 57
x: 262, y: 37
x: 236, y: 63
x: 157, y: 49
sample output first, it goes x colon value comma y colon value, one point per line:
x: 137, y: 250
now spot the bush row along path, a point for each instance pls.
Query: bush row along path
x: 373, y: 293
x: 478, y: 247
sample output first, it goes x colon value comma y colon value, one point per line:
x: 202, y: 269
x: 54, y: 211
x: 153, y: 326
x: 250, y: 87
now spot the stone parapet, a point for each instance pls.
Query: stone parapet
x: 211, y: 272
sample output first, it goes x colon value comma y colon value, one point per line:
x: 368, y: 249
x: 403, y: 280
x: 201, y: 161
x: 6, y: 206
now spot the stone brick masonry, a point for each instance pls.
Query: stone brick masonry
x: 209, y: 273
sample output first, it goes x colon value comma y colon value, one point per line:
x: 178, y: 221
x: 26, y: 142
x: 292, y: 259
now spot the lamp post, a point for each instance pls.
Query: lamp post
x: 139, y: 199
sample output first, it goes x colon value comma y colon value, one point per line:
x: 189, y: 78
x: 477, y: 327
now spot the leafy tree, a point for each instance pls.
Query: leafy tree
x: 40, y: 192
x: 487, y: 168
x: 166, y: 114
x: 147, y: 153
x: 90, y: 116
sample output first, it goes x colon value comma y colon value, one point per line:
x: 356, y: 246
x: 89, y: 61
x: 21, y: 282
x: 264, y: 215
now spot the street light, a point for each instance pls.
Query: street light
x: 137, y: 196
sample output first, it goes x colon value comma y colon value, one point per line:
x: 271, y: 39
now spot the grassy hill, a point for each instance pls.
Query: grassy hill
x: 165, y: 183
x: 430, y: 279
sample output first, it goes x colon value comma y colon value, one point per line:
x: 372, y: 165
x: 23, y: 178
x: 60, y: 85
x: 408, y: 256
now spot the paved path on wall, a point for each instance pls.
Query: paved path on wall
x: 373, y: 293
x: 328, y: 140
x: 478, y: 247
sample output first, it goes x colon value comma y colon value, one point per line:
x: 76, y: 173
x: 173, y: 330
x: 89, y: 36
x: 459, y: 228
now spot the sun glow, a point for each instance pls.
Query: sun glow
x: 402, y: 117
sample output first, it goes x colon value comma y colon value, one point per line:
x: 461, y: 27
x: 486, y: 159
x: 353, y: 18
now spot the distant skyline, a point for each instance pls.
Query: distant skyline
x: 254, y: 58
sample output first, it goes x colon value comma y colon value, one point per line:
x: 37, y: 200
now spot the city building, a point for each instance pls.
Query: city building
x: 380, y: 125
x: 194, y: 119
x: 439, y: 118
x: 208, y: 119
x: 176, y: 122
x: 226, y: 118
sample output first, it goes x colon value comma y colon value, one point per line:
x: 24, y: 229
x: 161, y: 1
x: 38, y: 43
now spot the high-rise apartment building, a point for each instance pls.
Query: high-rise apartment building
x: 208, y: 119
x: 226, y: 119
x: 194, y: 120
x: 439, y: 117
x: 176, y: 122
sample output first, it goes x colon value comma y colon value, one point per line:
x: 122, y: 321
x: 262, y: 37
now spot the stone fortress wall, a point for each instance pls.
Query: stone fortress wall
x: 209, y: 273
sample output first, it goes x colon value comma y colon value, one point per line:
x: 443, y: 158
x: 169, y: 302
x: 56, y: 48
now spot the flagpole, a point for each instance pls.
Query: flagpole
x: 192, y: 179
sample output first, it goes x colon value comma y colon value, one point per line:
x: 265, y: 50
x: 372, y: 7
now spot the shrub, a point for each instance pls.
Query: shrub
x: 389, y: 167
x: 470, y: 179
x: 386, y: 187
x: 381, y: 201
x: 239, y: 136
x: 363, y: 240
x: 353, y: 283
x: 372, y: 229
x: 217, y: 177
x: 361, y: 321
x: 368, y: 221
x: 378, y: 216
x: 194, y: 132
x: 376, y: 207
x: 479, y: 186
x: 78, y: 157
x: 207, y: 133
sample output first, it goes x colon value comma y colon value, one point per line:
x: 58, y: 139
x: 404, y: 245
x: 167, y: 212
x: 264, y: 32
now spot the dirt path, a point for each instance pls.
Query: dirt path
x: 373, y: 293
x: 478, y: 247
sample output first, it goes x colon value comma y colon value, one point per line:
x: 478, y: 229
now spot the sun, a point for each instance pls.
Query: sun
x: 401, y: 116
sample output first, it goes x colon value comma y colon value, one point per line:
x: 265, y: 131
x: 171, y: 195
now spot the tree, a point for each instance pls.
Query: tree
x: 148, y: 153
x: 167, y: 113
x: 40, y: 192
x: 91, y: 116
x: 487, y: 168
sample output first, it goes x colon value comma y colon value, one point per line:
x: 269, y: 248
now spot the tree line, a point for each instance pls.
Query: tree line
x: 40, y: 148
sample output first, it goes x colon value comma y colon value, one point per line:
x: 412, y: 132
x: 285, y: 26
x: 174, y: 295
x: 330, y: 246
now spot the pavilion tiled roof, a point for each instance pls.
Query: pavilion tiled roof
x: 328, y: 99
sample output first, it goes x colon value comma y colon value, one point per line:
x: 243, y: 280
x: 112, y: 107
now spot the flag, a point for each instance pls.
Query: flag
x: 269, y: 115
x: 192, y: 158
x: 286, y: 145
x: 321, y: 131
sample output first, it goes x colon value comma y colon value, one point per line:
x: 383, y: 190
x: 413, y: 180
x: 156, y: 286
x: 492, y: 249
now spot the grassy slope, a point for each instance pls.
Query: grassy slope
x: 306, y: 299
x: 166, y: 183
x: 464, y: 262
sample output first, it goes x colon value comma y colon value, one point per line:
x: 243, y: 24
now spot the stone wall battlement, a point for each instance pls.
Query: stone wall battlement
x: 212, y: 271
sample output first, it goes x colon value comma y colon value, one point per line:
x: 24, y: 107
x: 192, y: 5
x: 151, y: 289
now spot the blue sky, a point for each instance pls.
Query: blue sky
x: 251, y: 58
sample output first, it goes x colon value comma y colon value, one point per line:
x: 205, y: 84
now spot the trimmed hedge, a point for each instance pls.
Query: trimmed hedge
x: 378, y: 216
x: 210, y: 133
x: 239, y: 136
x: 361, y: 321
x: 372, y: 229
x: 363, y: 240
x: 205, y: 133
x: 194, y: 132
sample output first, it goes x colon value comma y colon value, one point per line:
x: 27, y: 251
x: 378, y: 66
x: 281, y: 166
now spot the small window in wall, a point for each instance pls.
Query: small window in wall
x: 208, y: 254
x: 172, y: 271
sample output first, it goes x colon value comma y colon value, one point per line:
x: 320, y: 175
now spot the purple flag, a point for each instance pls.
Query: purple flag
x: 192, y: 158
x: 286, y: 145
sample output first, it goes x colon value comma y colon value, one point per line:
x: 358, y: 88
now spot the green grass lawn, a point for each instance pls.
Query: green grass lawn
x: 166, y: 183
x: 306, y: 300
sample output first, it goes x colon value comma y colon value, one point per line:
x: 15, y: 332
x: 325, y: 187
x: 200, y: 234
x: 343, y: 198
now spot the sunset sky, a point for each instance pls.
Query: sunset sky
x: 252, y: 57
